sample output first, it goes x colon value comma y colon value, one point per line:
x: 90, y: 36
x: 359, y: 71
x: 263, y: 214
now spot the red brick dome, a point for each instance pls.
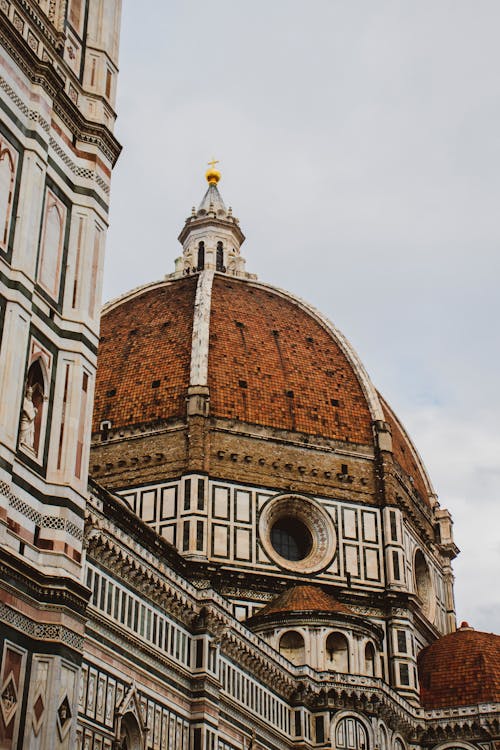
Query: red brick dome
x: 144, y: 356
x: 460, y: 669
x: 263, y: 357
x: 271, y: 362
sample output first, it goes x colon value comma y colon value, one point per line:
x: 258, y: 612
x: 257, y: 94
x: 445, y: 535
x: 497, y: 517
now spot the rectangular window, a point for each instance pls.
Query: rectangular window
x: 199, y: 536
x: 94, y: 271
x: 95, y: 593
x: 109, y: 603
x: 81, y: 425
x: 123, y: 607
x: 136, y: 616
x: 402, y: 641
x: 394, y: 527
x: 109, y: 78
x: 63, y: 417
x: 201, y: 494
x: 395, y: 566
x: 298, y: 724
x: 320, y: 729
x: 199, y: 654
x: 92, y: 71
x: 103, y: 594
x: 185, y: 536
x: 155, y: 625
x: 77, y: 261
x: 187, y: 494
x: 404, y: 674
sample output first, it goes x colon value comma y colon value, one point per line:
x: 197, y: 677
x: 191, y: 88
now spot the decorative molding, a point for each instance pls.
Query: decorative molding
x: 39, y: 519
x: 39, y: 630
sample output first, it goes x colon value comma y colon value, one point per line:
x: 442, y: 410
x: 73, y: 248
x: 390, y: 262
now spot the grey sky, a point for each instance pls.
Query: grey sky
x: 360, y: 148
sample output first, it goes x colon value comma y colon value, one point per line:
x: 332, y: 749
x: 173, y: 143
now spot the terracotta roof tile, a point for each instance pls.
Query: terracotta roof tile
x: 303, y: 599
x: 460, y: 669
x: 270, y: 363
x: 273, y: 364
x: 144, y: 357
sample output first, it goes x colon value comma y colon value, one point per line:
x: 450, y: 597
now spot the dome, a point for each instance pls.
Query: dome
x: 239, y: 422
x: 210, y: 339
x: 270, y: 362
x: 460, y: 669
x: 301, y: 599
x: 266, y: 358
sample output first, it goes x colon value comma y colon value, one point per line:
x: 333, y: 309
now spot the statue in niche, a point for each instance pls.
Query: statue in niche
x: 28, y: 415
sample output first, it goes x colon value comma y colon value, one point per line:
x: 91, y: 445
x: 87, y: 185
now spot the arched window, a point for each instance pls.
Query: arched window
x: 201, y: 256
x: 219, y: 261
x: 350, y: 734
x: 32, y: 409
x: 398, y: 745
x: 382, y: 738
x: 7, y: 177
x: 292, y: 647
x: 49, y: 268
x: 337, y: 652
x: 130, y: 733
x: 370, y: 659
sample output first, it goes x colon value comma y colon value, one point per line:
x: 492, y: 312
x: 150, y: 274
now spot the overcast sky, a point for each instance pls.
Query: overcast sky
x: 360, y: 147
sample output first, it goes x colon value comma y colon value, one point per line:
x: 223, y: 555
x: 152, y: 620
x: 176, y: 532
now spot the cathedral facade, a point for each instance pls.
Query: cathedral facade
x: 258, y: 559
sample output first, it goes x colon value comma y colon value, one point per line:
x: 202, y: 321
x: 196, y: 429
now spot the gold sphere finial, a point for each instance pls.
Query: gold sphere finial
x: 212, y: 174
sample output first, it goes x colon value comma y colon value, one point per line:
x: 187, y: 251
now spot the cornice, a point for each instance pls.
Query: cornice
x: 43, y: 24
x: 194, y: 223
x: 314, y: 619
x: 29, y: 582
x: 44, y: 74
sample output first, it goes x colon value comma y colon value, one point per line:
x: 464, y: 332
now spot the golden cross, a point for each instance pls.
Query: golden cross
x: 213, y: 162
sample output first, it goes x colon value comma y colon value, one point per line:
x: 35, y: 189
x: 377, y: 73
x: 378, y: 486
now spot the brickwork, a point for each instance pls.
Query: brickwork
x: 270, y: 363
x: 274, y: 365
x: 144, y: 357
x: 304, y: 599
x: 274, y: 459
x: 127, y: 463
x: 460, y: 669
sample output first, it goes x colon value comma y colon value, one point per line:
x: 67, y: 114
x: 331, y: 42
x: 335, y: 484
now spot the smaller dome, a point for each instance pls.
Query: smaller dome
x: 460, y: 669
x: 301, y: 599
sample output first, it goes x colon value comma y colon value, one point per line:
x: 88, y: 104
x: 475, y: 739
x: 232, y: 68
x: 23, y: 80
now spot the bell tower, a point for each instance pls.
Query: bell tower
x: 58, y: 73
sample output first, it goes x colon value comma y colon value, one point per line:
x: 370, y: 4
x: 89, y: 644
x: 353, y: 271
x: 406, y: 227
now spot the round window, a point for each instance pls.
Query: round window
x: 297, y: 533
x: 291, y: 538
